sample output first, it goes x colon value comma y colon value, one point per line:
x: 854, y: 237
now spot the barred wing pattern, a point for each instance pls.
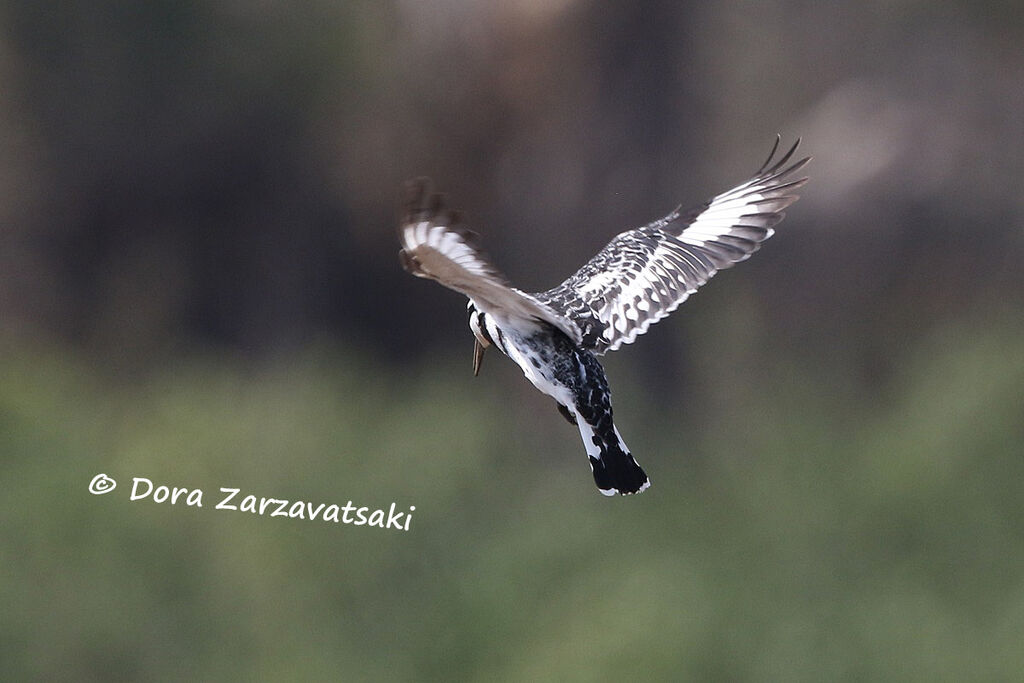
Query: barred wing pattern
x: 642, y: 275
x: 435, y: 245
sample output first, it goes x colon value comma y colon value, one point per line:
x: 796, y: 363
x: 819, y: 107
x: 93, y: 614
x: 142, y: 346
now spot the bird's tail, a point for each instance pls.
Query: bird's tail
x: 615, y: 470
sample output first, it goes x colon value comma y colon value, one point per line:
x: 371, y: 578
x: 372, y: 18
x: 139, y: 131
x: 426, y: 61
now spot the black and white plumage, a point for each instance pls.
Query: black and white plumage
x: 640, y: 277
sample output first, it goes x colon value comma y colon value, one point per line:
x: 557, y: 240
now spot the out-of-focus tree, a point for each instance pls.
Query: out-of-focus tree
x: 221, y: 172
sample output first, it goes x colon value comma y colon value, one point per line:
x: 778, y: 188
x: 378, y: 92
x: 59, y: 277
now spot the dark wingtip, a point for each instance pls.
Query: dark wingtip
x: 436, y: 204
x: 422, y: 203
x: 771, y: 167
x: 775, y: 148
x: 415, y: 193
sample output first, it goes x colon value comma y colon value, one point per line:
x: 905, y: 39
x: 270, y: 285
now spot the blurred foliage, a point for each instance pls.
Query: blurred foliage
x: 794, y: 533
x: 175, y: 174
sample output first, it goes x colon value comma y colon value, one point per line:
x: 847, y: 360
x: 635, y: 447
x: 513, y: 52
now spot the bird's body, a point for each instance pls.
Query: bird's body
x: 640, y: 277
x: 575, y: 379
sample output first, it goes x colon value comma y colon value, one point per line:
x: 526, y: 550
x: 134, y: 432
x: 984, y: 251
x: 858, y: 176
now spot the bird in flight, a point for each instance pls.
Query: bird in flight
x: 640, y: 277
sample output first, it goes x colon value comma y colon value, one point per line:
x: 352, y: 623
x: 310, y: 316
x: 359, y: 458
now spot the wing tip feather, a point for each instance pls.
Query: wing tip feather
x: 776, y: 168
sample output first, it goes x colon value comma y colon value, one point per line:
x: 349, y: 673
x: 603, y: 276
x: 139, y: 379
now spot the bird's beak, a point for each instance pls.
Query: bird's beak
x: 478, y: 356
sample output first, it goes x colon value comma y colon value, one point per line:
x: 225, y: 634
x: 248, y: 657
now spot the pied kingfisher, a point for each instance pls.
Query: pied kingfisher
x: 640, y: 277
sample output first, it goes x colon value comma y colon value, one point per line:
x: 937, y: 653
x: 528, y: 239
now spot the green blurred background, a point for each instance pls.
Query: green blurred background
x: 198, y: 285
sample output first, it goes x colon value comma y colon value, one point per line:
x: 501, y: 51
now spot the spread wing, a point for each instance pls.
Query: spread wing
x: 435, y: 245
x: 642, y: 275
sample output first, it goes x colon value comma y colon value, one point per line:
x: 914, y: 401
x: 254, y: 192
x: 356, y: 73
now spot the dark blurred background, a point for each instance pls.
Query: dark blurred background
x: 199, y: 285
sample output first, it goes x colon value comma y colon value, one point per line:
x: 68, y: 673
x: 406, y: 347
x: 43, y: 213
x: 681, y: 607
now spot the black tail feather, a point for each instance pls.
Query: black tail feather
x: 618, y: 472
